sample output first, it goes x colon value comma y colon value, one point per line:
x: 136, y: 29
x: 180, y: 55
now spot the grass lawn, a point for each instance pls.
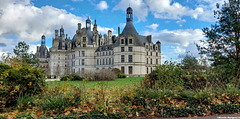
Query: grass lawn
x: 126, y: 82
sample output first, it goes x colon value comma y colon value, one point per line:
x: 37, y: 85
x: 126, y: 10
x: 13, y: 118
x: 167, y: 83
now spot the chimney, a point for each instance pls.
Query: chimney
x: 118, y: 31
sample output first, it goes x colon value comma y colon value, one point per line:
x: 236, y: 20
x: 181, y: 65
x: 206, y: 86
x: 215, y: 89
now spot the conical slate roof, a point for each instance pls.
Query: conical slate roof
x: 129, y: 30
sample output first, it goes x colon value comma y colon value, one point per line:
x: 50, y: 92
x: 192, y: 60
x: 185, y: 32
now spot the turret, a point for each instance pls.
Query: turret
x: 56, y: 34
x: 95, y: 26
x: 43, y: 40
x: 88, y: 24
x: 61, y: 31
x: 159, y: 45
x: 129, y: 14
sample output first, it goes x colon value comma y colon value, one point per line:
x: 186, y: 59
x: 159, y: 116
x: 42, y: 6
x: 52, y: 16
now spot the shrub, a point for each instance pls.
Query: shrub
x: 116, y: 71
x: 122, y: 75
x: 105, y: 75
x: 72, y: 77
x: 65, y: 78
x: 168, y: 75
x: 102, y: 75
x: 16, y: 82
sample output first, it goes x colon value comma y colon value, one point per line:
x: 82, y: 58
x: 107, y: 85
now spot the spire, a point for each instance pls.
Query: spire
x: 88, y: 24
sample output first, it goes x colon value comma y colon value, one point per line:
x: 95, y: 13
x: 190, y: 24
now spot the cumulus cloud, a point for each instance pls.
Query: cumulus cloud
x: 175, y: 42
x: 139, y: 6
x: 153, y: 26
x: 182, y: 37
x: 21, y: 20
x: 168, y: 9
x: 102, y: 5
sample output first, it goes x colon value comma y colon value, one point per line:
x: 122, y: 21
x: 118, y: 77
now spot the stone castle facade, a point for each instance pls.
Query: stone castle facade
x: 133, y: 54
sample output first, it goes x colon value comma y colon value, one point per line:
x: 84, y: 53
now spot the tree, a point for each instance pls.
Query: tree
x: 189, y: 62
x: 222, y: 45
x: 21, y: 51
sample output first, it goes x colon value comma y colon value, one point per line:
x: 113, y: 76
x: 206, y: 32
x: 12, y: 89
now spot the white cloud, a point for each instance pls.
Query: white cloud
x: 21, y: 20
x: 169, y: 9
x: 139, y: 7
x: 102, y: 5
x: 181, y: 37
x: 153, y: 26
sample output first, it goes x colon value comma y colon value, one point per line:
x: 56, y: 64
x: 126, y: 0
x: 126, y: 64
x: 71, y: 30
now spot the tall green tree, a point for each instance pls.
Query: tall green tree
x: 21, y: 51
x: 222, y: 45
x: 189, y: 62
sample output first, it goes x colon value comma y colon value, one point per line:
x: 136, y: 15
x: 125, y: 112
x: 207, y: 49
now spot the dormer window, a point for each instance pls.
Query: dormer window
x: 130, y: 41
x: 84, y: 39
x: 122, y: 41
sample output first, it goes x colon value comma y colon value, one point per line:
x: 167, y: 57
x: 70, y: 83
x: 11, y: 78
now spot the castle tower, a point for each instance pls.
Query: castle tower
x: 129, y: 14
x: 95, y: 26
x: 61, y: 31
x: 88, y: 24
x: 43, y: 40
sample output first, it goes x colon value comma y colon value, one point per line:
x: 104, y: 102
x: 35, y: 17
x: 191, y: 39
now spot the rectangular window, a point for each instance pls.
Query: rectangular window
x: 130, y: 70
x: 84, y: 39
x: 122, y: 70
x: 83, y: 53
x: 147, y: 70
x: 130, y: 41
x: 130, y: 58
x: 83, y: 62
x: 122, y: 49
x: 130, y: 49
x: 97, y: 61
x: 79, y: 54
x: 147, y: 60
x: 79, y: 62
x: 156, y: 54
x: 151, y: 61
x: 151, y: 53
x: 84, y: 45
x: 122, y: 58
x: 110, y: 61
x: 156, y: 61
x: 122, y: 41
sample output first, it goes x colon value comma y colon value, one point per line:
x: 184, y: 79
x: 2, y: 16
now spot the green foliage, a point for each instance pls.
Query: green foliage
x: 72, y: 77
x: 168, y: 75
x: 222, y: 45
x: 189, y: 63
x: 122, y: 75
x: 118, y: 73
x: 21, y: 51
x: 18, y: 82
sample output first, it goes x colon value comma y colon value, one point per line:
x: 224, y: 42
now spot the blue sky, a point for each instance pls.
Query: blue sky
x: 176, y: 24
